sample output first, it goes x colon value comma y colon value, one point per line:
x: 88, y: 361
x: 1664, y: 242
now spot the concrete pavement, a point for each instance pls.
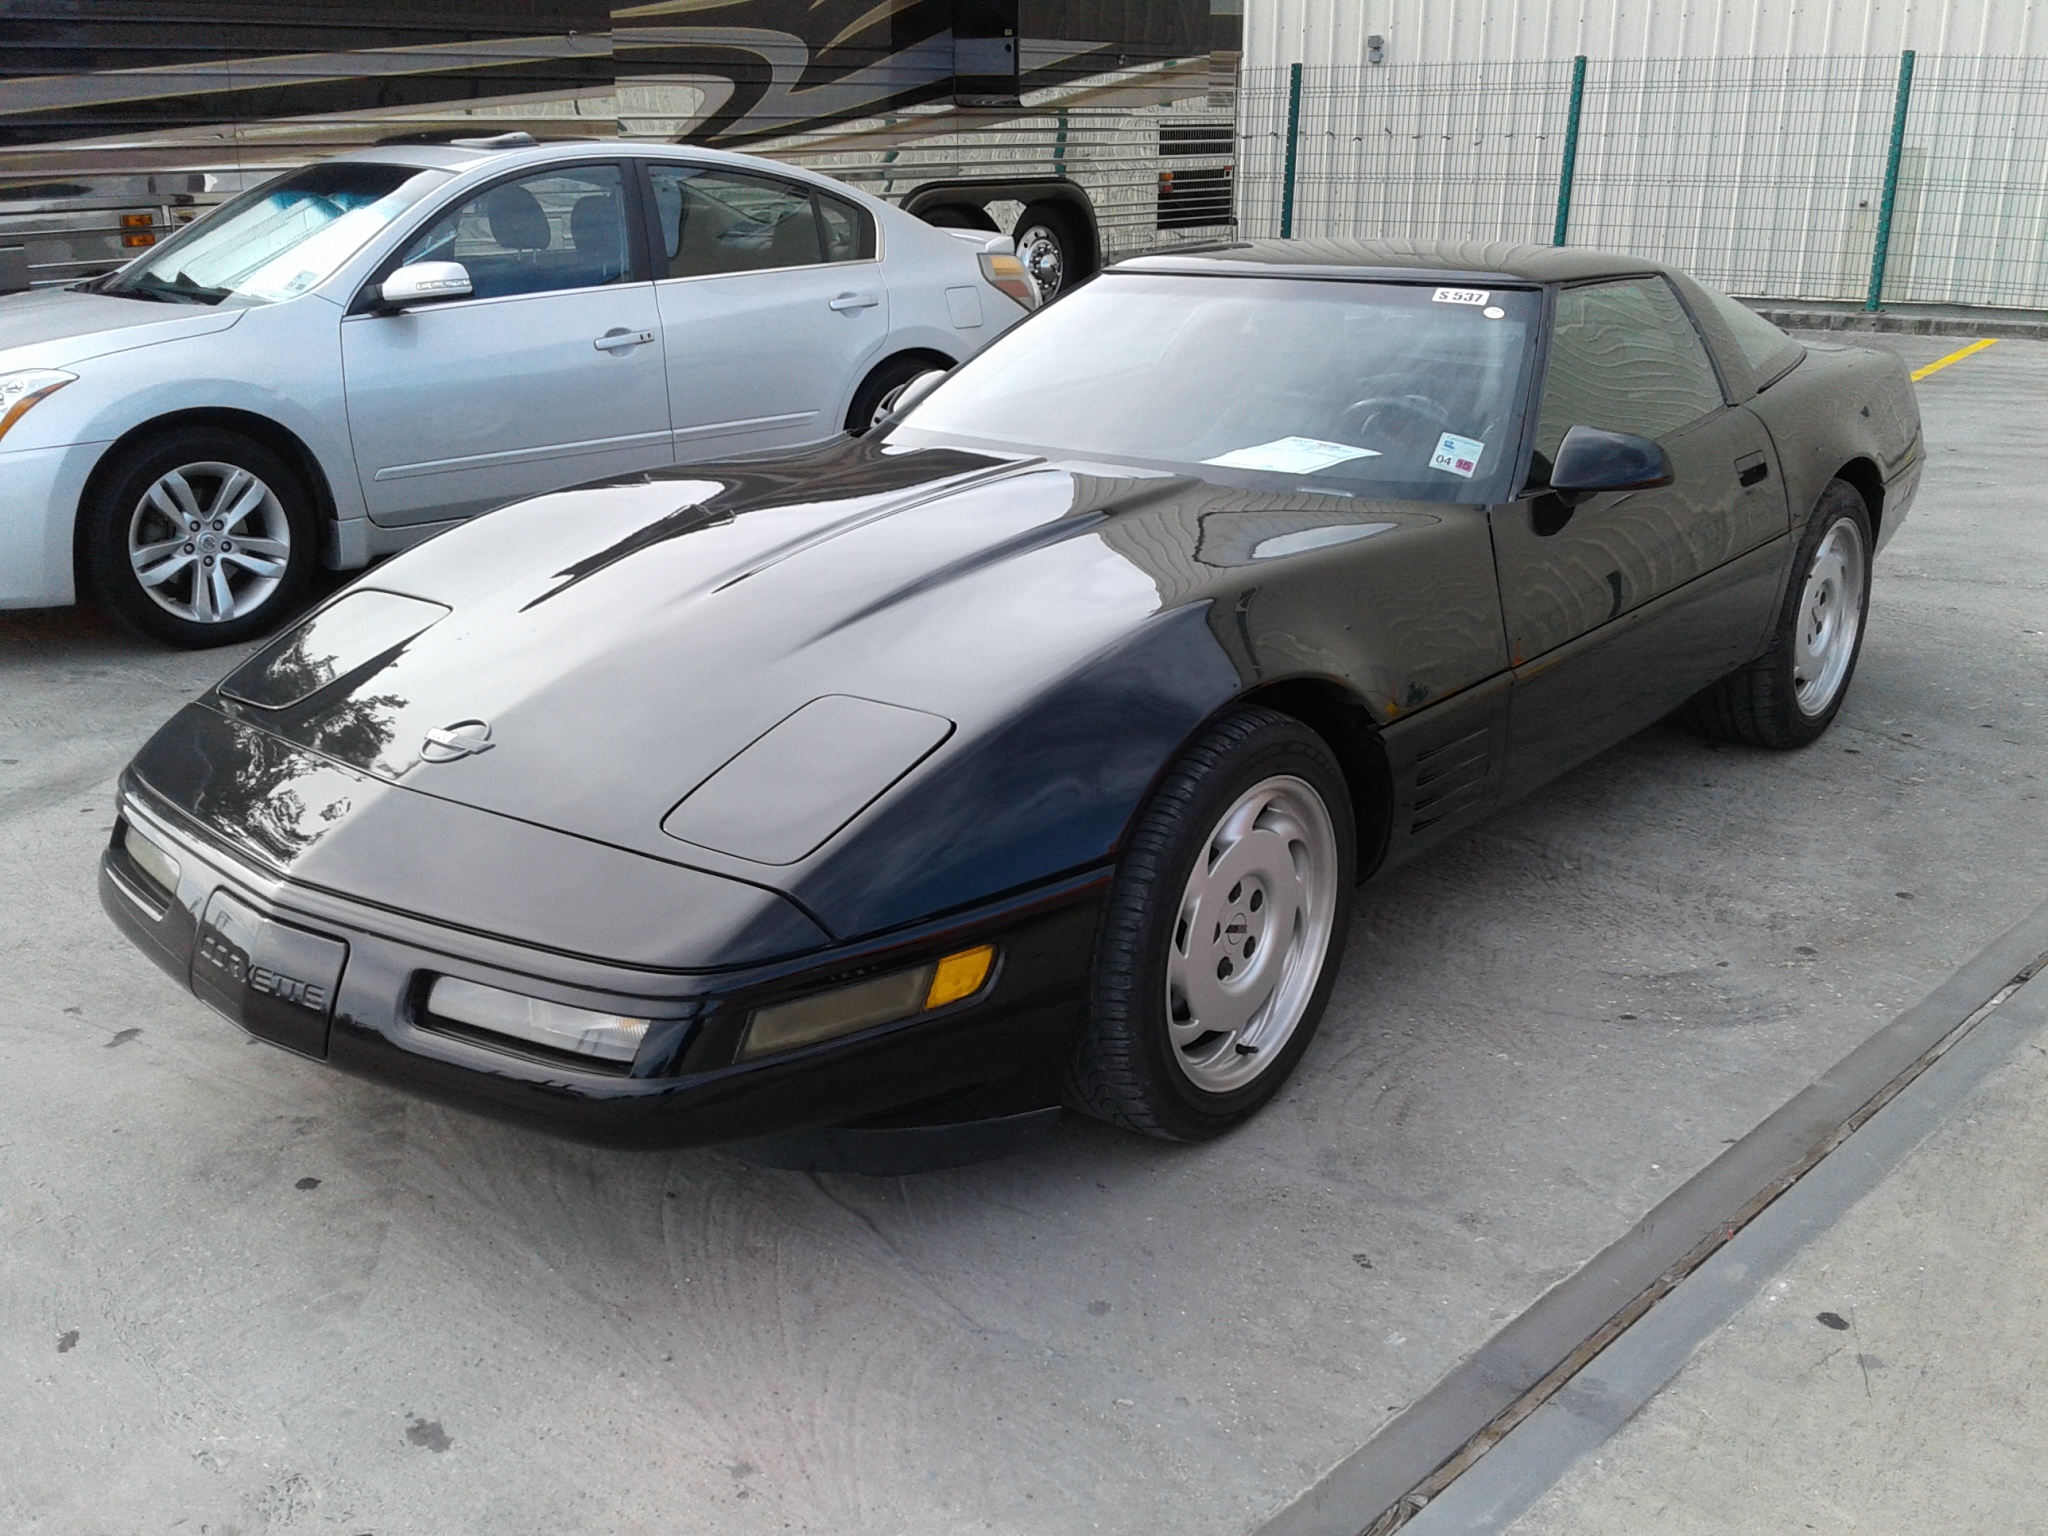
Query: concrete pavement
x: 239, y: 1292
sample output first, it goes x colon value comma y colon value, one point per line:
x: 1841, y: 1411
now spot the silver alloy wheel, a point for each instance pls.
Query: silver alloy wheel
x: 1251, y: 935
x: 209, y: 542
x: 1039, y: 248
x: 1830, y: 618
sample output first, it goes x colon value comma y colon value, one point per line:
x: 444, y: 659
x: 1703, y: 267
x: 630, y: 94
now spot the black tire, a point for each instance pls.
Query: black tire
x: 115, y: 507
x: 1760, y: 705
x: 1050, y: 249
x: 958, y: 216
x: 1126, y: 1068
x: 878, y: 386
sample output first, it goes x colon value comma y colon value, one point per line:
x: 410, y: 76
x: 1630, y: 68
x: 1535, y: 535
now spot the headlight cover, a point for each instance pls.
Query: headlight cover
x: 19, y: 391
x: 606, y: 1037
x: 152, y: 860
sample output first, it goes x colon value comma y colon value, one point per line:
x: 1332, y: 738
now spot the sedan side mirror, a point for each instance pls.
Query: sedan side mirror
x: 1590, y: 460
x: 423, y: 282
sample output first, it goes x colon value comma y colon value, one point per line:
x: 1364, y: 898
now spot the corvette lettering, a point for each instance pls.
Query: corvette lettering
x: 234, y: 965
x: 288, y: 988
x: 223, y: 956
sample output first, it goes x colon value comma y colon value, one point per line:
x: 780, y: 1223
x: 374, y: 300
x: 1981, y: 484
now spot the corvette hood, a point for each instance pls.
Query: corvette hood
x: 589, y: 658
x: 54, y: 327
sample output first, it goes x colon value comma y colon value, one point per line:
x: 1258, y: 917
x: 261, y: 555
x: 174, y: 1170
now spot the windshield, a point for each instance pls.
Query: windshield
x: 1369, y: 388
x: 279, y: 240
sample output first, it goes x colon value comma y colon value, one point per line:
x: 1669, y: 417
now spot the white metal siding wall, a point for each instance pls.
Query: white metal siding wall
x: 1333, y: 32
x: 1761, y: 175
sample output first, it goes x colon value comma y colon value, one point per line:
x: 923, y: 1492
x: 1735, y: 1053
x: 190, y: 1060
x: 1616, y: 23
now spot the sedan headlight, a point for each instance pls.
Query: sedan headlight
x: 580, y: 1031
x: 19, y: 391
x: 881, y: 1000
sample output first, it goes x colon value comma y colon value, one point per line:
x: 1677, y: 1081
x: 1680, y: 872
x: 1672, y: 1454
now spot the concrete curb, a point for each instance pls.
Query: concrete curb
x: 2016, y: 327
x: 1512, y: 1476
x: 1716, y: 1201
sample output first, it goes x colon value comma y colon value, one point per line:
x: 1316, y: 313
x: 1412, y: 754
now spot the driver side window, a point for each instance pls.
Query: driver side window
x: 1624, y: 357
x: 558, y: 229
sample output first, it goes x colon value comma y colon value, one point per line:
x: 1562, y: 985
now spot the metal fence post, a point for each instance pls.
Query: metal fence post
x: 1571, y: 151
x: 1293, y: 141
x: 1891, y: 181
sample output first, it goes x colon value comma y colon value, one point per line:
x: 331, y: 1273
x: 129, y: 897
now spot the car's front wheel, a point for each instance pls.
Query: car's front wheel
x: 198, y: 537
x: 1222, y: 935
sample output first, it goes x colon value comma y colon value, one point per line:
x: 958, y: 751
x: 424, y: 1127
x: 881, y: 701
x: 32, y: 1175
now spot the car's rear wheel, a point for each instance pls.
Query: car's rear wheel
x: 199, y: 537
x: 1791, y: 694
x: 1048, y: 247
x: 877, y: 392
x: 1222, y: 935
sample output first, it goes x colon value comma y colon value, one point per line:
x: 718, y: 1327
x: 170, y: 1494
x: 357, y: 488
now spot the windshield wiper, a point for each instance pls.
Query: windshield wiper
x: 178, y: 290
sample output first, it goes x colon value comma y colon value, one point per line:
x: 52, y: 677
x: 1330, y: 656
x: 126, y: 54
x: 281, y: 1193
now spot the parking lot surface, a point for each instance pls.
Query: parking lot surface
x: 239, y: 1292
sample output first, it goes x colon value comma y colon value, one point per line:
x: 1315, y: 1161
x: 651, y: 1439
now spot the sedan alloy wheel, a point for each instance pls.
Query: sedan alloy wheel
x: 209, y: 542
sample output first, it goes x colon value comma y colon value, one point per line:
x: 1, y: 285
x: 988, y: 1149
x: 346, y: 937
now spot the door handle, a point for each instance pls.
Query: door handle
x: 1753, y: 469
x: 618, y: 341
x: 852, y: 301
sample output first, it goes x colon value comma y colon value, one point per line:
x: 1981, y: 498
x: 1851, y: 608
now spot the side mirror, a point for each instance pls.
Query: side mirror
x: 909, y: 394
x: 423, y: 282
x: 1590, y: 461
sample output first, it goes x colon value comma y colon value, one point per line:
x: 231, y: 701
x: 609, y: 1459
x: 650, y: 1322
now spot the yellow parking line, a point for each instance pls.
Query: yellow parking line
x: 1954, y: 357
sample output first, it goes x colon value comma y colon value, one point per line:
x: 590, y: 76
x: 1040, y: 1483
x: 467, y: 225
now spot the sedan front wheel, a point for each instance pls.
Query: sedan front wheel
x: 200, y: 537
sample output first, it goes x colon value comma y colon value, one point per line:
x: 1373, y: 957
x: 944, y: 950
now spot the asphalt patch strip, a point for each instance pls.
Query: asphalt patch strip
x: 1425, y: 1449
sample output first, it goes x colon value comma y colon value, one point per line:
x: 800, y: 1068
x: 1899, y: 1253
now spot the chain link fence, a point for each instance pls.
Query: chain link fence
x: 1914, y: 179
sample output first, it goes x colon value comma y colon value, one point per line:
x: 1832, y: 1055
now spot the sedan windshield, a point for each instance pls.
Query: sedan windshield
x: 279, y: 240
x: 1409, y: 390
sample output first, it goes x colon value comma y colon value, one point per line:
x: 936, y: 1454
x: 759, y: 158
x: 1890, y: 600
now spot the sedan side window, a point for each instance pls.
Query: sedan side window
x: 558, y: 229
x: 1624, y: 357
x: 715, y: 220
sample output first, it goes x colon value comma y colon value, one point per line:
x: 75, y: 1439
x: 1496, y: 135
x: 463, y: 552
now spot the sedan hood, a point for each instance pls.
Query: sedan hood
x: 54, y: 327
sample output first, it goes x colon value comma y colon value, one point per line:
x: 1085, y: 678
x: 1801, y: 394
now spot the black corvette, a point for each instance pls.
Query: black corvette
x: 1027, y: 749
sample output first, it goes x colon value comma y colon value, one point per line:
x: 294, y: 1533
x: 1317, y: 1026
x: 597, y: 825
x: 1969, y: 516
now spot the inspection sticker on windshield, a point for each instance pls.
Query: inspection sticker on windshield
x: 1292, y: 456
x: 1460, y: 296
x: 1459, y: 455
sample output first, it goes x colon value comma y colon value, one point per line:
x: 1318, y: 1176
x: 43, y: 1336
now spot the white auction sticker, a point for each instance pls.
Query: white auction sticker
x: 1494, y: 312
x: 1291, y: 456
x: 1460, y: 296
x: 1458, y: 455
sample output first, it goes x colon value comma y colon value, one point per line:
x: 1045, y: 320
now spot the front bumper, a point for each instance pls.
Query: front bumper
x: 344, y: 982
x: 39, y: 494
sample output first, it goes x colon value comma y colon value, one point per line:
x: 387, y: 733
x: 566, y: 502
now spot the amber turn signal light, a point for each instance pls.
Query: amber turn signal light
x: 959, y: 976
x: 864, y: 1004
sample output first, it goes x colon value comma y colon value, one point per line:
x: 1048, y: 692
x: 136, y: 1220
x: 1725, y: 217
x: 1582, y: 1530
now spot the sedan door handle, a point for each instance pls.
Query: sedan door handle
x: 1752, y: 469
x: 618, y: 341
x: 851, y: 301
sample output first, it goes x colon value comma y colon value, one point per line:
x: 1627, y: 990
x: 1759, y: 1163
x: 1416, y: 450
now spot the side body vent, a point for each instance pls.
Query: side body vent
x: 1449, y: 778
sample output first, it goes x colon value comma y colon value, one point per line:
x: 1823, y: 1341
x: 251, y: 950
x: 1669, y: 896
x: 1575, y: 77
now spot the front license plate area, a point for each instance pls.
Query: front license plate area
x: 275, y: 980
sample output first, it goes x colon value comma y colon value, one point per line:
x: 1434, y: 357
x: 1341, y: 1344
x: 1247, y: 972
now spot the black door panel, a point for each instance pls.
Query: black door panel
x: 1614, y: 680
x: 1566, y: 571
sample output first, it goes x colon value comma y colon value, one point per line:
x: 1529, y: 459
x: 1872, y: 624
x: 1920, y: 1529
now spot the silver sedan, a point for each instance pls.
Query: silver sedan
x: 359, y: 353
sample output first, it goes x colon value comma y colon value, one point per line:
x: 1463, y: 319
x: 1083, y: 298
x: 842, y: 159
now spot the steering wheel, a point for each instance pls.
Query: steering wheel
x: 1381, y: 416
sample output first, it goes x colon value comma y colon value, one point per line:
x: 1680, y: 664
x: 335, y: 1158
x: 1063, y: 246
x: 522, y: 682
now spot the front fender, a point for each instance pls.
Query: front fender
x: 282, y: 363
x: 1046, y: 791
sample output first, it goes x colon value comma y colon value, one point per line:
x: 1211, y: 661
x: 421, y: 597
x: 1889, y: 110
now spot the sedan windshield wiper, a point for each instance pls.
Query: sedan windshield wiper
x: 178, y: 290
